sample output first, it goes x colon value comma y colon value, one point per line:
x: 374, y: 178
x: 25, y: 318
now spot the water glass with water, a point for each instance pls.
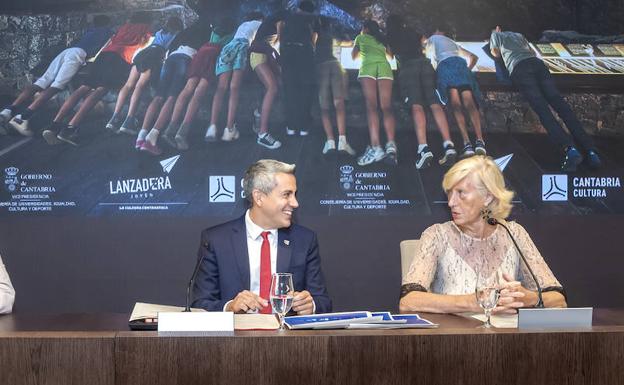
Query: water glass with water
x: 282, y: 293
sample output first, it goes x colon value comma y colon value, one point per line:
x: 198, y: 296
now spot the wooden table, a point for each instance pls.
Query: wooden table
x: 99, y: 349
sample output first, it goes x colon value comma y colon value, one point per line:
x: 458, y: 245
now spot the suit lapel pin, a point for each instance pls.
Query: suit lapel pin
x: 286, y: 242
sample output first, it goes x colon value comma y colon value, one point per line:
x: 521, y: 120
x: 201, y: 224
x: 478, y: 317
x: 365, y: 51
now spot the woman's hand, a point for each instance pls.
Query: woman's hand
x: 513, y: 296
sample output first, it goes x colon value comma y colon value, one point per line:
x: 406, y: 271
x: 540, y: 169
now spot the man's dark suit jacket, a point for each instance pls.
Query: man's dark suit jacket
x: 224, y: 271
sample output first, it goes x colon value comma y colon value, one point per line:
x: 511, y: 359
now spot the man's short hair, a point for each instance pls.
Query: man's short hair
x: 261, y: 176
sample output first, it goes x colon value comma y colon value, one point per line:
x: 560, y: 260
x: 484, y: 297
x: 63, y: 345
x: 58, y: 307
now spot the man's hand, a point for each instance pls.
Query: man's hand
x: 246, y: 301
x: 513, y: 296
x: 303, y: 303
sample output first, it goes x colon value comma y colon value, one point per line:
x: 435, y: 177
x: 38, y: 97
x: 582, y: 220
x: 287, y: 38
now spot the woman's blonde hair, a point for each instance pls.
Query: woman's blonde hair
x: 489, y: 179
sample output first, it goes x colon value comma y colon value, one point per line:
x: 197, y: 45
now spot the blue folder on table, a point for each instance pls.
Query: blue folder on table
x: 329, y: 319
x: 358, y: 320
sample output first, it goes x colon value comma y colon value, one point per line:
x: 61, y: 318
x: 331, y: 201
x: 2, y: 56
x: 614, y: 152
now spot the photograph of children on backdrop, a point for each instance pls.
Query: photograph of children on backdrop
x: 143, y: 111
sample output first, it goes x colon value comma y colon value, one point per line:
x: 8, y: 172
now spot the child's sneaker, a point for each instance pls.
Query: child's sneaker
x: 391, y: 154
x: 268, y: 141
x: 230, y: 134
x: 449, y: 155
x: 480, y: 147
x: 423, y: 158
x: 371, y: 155
x: 467, y: 151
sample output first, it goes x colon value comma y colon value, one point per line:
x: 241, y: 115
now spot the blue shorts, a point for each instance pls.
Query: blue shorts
x: 453, y: 72
x: 233, y: 56
x: 173, y: 75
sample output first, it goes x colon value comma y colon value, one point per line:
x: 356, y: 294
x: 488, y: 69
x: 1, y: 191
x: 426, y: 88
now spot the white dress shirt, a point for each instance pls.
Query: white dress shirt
x: 7, y: 293
x: 254, y: 248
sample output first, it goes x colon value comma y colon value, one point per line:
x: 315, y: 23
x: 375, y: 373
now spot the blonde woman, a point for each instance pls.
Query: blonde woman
x: 453, y: 254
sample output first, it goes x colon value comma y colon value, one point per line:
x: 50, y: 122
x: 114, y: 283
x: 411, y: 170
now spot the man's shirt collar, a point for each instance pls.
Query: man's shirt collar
x: 254, y: 231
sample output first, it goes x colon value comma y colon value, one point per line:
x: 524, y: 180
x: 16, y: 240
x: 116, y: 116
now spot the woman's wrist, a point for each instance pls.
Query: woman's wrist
x: 531, y: 299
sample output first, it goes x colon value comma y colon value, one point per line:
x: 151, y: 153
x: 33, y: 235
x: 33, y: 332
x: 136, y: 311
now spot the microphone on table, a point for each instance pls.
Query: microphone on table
x: 192, y: 280
x: 540, y: 301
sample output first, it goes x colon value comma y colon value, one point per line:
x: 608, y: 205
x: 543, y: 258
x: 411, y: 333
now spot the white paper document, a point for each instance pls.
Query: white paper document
x: 502, y: 321
x: 143, y: 311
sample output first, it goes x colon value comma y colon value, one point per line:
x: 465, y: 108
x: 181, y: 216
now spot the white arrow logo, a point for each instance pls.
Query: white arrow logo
x: 167, y: 164
x: 503, y: 161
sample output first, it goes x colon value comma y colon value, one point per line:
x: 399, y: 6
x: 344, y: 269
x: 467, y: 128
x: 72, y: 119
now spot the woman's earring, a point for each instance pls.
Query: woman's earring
x: 486, y: 213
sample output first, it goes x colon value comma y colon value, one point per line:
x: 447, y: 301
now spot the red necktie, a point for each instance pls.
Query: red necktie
x: 265, y: 271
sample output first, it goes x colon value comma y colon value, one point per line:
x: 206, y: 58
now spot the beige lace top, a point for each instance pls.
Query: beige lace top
x: 447, y: 261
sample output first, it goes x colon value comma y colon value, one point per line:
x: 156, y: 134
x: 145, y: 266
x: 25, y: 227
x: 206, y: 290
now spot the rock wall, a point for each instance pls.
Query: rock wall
x: 132, y: 4
x: 600, y: 114
x: 473, y: 19
x: 26, y: 40
x: 29, y: 40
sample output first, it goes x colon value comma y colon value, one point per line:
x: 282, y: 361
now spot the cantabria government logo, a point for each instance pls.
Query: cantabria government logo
x: 11, y: 179
x: 554, y: 187
x: 346, y: 177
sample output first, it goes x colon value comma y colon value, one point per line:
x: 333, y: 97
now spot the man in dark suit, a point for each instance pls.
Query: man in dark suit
x: 240, y: 256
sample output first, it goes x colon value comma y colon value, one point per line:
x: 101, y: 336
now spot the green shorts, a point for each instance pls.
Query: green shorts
x: 379, y: 70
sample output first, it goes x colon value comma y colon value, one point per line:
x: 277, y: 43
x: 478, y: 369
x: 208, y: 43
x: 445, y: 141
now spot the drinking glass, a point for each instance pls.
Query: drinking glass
x: 282, y: 293
x: 486, y: 291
